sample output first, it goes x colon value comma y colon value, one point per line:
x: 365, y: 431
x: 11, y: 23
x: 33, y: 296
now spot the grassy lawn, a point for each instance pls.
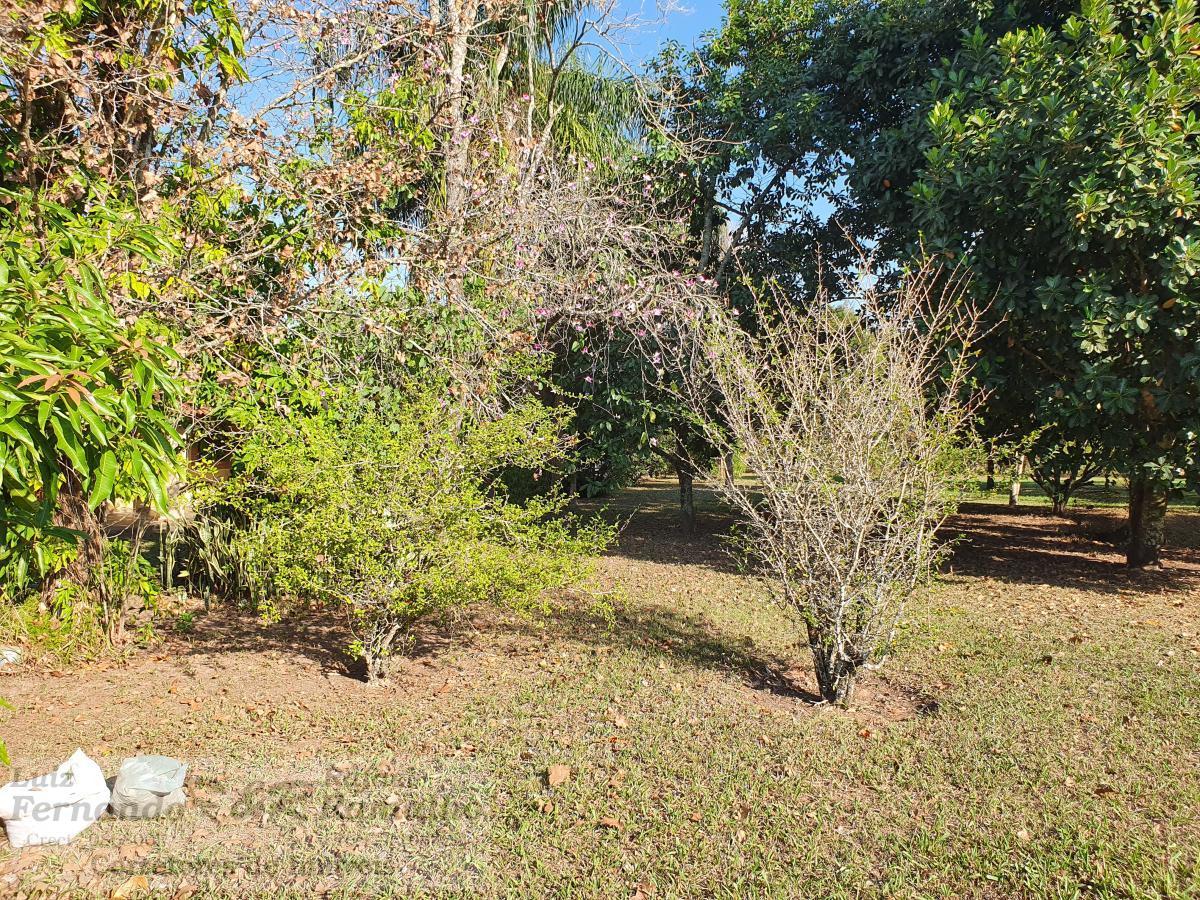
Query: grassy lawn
x: 1091, y: 495
x: 1036, y: 734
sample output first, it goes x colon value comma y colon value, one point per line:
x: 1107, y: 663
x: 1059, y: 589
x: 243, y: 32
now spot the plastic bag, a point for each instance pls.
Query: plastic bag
x: 148, y: 787
x: 54, y: 808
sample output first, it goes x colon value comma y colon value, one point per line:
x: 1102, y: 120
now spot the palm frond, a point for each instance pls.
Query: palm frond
x: 593, y: 115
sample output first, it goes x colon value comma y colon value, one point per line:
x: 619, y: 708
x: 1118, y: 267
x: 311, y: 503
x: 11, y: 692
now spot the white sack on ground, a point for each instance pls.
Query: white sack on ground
x: 54, y: 808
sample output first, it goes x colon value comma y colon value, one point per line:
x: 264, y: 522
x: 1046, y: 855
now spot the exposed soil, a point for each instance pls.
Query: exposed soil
x: 236, y: 689
x: 236, y: 668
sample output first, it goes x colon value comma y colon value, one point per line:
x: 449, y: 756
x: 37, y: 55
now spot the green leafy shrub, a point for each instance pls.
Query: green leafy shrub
x: 394, y: 513
x: 65, y: 625
x: 73, y: 622
x: 201, y: 552
x: 82, y: 393
x: 129, y: 584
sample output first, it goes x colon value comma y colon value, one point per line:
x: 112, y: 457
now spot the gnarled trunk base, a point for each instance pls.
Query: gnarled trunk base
x: 382, y: 639
x: 836, y: 677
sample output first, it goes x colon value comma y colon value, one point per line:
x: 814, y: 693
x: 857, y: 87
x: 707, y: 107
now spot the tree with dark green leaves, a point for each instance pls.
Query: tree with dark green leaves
x: 1054, y: 153
x: 819, y: 110
x: 1065, y: 167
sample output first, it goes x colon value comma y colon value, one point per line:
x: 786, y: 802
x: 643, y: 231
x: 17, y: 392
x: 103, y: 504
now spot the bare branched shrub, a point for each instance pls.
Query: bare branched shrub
x: 849, y: 418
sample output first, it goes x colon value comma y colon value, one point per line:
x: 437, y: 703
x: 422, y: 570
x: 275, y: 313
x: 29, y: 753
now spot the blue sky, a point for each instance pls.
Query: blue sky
x: 685, y: 26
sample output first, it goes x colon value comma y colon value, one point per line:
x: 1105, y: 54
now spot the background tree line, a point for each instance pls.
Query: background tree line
x: 1052, y: 148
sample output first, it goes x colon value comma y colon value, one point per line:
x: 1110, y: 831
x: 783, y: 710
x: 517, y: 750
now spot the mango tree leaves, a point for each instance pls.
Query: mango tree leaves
x: 82, y: 395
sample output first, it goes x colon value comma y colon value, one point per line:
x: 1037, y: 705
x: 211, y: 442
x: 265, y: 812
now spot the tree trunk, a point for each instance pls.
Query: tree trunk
x: 1058, y: 505
x: 991, y: 471
x: 72, y: 512
x: 1014, y: 488
x: 460, y: 17
x: 377, y: 647
x: 377, y: 668
x: 687, y: 498
x: 835, y: 677
x: 727, y: 463
x: 707, y: 233
x: 1147, y: 518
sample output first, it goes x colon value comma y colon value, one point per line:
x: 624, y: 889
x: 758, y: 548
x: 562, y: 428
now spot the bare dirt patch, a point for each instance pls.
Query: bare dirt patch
x: 691, y: 698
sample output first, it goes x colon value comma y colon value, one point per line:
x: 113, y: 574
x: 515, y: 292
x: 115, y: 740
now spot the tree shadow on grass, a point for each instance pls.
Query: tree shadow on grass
x: 1021, y: 546
x: 784, y: 681
x: 315, y: 634
x: 653, y: 630
x: 322, y: 638
x: 652, y: 530
x: 1030, y: 546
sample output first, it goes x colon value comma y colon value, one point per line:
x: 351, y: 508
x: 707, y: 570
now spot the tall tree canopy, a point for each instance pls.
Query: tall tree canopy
x: 1065, y: 165
x: 820, y: 107
x: 1053, y: 150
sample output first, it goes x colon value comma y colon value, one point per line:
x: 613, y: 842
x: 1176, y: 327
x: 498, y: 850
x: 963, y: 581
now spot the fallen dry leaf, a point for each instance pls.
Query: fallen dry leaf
x: 610, y: 822
x: 558, y: 775
x: 133, y: 886
x: 135, y: 851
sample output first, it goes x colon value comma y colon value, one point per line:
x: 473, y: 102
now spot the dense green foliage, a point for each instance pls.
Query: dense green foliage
x: 88, y: 113
x: 85, y: 395
x: 1065, y: 167
x: 817, y: 108
x: 1054, y: 153
x: 394, y: 513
